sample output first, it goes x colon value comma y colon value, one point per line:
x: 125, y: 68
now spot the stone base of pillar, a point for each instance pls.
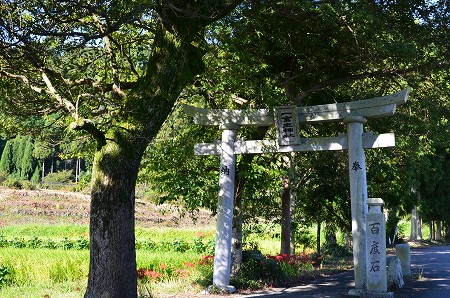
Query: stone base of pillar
x: 214, y: 289
x: 378, y: 295
x: 356, y: 292
x: 365, y: 294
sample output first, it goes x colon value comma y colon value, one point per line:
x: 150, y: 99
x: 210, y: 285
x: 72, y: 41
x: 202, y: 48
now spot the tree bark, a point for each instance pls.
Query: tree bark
x: 431, y: 231
x: 419, y: 228
x: 318, y: 237
x: 112, y: 271
x: 414, y: 225
x: 286, y: 219
x: 288, y: 208
x: 438, y: 230
x: 293, y: 224
x: 330, y: 236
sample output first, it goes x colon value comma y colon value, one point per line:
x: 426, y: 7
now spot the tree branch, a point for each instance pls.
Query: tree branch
x: 21, y: 78
x: 87, y: 125
x: 64, y: 102
x: 112, y: 57
x: 376, y: 74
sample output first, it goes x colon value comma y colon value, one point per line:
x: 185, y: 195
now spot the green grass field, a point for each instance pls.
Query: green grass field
x: 36, y: 272
x: 58, y: 272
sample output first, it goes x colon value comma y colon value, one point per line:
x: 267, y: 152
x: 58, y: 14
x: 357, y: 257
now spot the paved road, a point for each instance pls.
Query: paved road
x: 431, y: 265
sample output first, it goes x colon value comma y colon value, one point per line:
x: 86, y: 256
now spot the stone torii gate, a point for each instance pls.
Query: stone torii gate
x: 287, y: 118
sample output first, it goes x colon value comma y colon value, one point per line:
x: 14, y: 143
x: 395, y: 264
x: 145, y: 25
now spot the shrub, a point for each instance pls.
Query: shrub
x: 65, y: 244
x: 64, y: 176
x: 3, y: 176
x: 49, y: 243
x: 12, y: 183
x: 335, y: 250
x: 257, y: 271
x: 198, y: 245
x: 85, y: 182
x: 6, y: 275
x: 3, y: 241
x: 81, y: 243
x: 179, y: 245
x: 18, y: 243
x: 34, y: 242
x: 148, y: 244
x: 28, y: 185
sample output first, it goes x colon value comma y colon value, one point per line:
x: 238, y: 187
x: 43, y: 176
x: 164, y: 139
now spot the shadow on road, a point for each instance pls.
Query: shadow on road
x: 430, y: 268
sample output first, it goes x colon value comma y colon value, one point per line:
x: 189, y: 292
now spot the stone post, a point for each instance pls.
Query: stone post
x: 403, y: 252
x: 376, y: 247
x: 358, y: 194
x: 222, y: 253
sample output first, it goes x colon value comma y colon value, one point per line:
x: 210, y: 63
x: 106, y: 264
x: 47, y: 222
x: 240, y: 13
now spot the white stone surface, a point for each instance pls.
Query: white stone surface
x: 395, y: 274
x: 216, y: 117
x: 303, y: 144
x: 222, y: 253
x: 403, y: 252
x: 358, y: 195
x: 354, y: 115
x: 368, y: 108
x: 376, y: 247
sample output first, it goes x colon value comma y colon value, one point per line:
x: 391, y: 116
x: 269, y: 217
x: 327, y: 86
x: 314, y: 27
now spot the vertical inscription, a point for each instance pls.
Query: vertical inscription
x: 287, y: 125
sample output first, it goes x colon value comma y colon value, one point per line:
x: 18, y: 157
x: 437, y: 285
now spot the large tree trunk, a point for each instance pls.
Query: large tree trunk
x: 293, y: 223
x: 173, y: 63
x: 112, y: 271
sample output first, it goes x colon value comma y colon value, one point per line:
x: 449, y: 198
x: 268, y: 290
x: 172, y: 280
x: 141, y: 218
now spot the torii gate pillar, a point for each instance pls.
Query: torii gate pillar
x: 222, y: 255
x: 358, y: 195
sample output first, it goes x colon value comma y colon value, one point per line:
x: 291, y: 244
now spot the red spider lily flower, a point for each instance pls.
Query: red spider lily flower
x: 182, y: 273
x: 206, y: 260
x: 153, y: 274
x: 162, y: 266
x: 189, y: 264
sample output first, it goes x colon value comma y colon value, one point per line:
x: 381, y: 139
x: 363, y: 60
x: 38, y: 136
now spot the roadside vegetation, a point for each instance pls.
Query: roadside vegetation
x: 39, y: 258
x: 55, y: 262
